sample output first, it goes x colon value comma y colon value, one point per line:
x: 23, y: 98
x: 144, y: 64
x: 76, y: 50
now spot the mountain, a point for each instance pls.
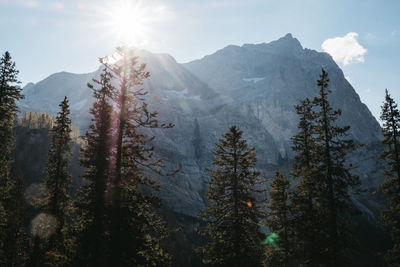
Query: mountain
x: 276, y: 76
x: 254, y: 86
x: 261, y: 83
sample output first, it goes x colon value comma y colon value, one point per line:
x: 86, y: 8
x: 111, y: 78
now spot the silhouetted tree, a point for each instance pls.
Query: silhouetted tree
x: 305, y: 220
x: 336, y: 179
x: 279, y: 222
x: 91, y: 226
x: 117, y: 224
x: 58, y: 185
x: 17, y: 242
x: 391, y: 187
x: 197, y: 141
x: 136, y: 230
x: 10, y: 188
x: 233, y: 214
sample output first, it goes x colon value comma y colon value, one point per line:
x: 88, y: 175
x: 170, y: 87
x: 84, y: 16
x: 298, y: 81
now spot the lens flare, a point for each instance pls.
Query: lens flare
x: 36, y: 195
x: 271, y: 240
x: 44, y: 225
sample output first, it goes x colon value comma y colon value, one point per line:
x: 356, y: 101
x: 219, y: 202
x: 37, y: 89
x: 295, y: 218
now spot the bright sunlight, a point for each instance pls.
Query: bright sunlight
x: 131, y: 21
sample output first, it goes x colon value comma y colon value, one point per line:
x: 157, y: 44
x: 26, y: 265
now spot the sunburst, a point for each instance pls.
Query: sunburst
x: 131, y: 22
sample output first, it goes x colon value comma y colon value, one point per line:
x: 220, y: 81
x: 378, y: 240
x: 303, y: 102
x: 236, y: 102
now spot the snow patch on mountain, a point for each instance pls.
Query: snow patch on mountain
x: 253, y: 80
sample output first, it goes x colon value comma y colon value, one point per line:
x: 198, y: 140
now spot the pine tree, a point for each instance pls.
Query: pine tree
x: 279, y: 222
x: 336, y: 179
x: 117, y: 224
x: 91, y: 226
x: 136, y: 231
x: 391, y: 187
x: 232, y: 214
x: 197, y: 141
x: 58, y: 184
x: 10, y: 189
x: 3, y: 234
x: 10, y: 92
x: 17, y: 238
x: 305, y: 222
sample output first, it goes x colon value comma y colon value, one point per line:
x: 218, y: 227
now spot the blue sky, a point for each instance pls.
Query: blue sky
x: 47, y: 36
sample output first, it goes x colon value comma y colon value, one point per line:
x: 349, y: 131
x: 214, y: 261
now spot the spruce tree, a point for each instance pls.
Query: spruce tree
x: 91, y: 225
x: 10, y: 188
x: 279, y: 222
x: 17, y: 239
x: 390, y: 117
x: 197, y: 140
x: 233, y: 214
x: 336, y: 179
x: 117, y: 224
x: 58, y: 185
x: 136, y: 231
x: 305, y: 222
x: 10, y: 92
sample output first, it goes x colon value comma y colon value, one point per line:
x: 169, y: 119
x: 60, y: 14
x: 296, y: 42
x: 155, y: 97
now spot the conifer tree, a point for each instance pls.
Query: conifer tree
x: 279, y: 222
x: 17, y: 238
x: 58, y: 184
x: 10, y: 92
x: 116, y: 222
x: 10, y: 189
x: 91, y: 226
x: 197, y: 141
x: 305, y: 222
x: 3, y: 234
x: 391, y: 187
x: 336, y: 179
x: 233, y: 214
x: 136, y: 231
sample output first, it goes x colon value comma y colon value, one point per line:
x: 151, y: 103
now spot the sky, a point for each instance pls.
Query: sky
x: 48, y: 36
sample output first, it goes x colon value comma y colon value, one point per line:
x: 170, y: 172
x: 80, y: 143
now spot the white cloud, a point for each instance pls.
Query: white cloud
x: 394, y: 33
x: 346, y: 49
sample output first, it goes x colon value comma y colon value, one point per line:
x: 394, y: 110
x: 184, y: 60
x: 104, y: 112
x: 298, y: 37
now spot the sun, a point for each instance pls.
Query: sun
x: 132, y: 22
x: 128, y: 22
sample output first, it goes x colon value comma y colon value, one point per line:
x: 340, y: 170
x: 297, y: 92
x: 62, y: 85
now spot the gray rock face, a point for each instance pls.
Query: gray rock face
x: 253, y: 86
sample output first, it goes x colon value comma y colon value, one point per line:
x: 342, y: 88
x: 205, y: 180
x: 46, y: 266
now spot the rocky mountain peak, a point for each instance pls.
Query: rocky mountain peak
x: 254, y: 86
x: 287, y: 42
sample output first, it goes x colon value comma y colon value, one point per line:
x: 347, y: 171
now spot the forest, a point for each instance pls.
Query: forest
x: 111, y: 215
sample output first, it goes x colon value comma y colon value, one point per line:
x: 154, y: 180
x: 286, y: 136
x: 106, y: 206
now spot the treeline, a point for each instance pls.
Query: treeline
x: 113, y: 221
x: 34, y: 120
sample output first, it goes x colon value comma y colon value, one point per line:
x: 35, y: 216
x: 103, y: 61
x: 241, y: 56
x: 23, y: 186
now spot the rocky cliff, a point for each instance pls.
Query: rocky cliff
x: 254, y: 86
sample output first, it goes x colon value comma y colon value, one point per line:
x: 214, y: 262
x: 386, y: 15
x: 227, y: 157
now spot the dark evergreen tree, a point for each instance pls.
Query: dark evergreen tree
x: 197, y: 141
x: 17, y: 242
x: 58, y: 185
x: 279, y: 222
x: 391, y: 187
x: 233, y: 214
x: 306, y: 248
x: 3, y: 234
x: 91, y: 224
x: 136, y: 231
x: 10, y: 92
x: 10, y: 189
x: 336, y: 179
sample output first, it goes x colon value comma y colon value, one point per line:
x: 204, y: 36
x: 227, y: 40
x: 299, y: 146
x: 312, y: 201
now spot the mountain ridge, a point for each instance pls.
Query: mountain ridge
x: 252, y: 86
